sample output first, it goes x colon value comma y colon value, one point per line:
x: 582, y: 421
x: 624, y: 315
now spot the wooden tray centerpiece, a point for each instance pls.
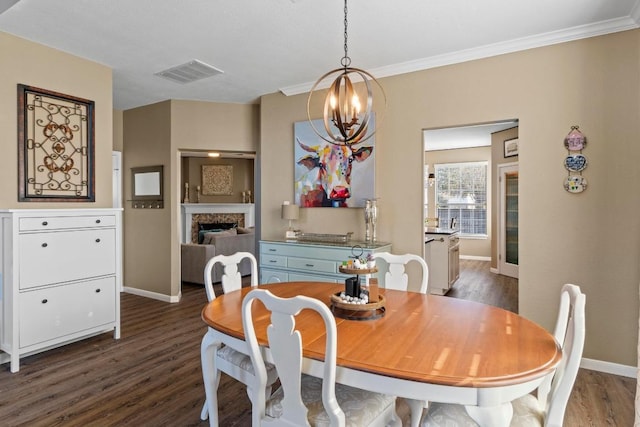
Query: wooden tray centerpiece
x: 358, y: 311
x: 357, y: 271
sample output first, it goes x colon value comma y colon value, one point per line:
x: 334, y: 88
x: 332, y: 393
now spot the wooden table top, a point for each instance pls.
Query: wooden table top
x: 424, y: 338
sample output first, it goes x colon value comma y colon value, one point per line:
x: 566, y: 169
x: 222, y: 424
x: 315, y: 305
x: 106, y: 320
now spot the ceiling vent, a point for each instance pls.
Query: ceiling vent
x: 189, y: 72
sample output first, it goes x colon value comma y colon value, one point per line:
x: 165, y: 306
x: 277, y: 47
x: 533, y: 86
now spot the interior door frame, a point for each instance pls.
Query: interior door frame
x: 504, y: 268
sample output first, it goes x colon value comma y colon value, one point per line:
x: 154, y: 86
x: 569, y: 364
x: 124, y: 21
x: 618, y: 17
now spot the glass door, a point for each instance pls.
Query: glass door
x: 508, y: 254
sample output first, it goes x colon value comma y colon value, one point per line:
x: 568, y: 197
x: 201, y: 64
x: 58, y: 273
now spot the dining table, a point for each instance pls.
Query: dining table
x: 422, y: 347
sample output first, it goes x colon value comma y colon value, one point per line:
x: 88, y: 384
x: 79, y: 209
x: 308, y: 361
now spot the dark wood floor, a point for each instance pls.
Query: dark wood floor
x: 152, y: 377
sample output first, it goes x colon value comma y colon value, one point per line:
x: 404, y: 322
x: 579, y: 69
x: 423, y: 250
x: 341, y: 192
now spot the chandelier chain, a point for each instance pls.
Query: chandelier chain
x: 346, y: 61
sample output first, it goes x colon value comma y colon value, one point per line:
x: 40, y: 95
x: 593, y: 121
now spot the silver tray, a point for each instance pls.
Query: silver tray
x: 329, y: 238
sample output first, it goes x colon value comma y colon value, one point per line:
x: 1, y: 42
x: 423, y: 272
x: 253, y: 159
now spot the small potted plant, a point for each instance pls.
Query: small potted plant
x: 370, y: 261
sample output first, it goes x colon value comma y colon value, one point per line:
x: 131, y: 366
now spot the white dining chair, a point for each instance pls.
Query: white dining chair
x: 217, y: 357
x: 396, y: 278
x: 548, y: 408
x: 303, y: 400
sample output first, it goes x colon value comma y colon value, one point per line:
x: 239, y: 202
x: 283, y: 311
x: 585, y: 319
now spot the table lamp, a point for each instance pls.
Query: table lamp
x: 290, y: 212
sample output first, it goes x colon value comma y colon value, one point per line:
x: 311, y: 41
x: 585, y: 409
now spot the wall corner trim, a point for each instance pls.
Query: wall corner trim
x: 153, y: 295
x: 609, y: 367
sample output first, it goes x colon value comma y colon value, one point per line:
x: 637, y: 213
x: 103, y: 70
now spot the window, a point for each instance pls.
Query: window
x: 461, y: 192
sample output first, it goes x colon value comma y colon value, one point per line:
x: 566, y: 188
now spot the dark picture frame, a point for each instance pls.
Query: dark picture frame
x: 147, y: 186
x: 511, y: 147
x: 56, y: 147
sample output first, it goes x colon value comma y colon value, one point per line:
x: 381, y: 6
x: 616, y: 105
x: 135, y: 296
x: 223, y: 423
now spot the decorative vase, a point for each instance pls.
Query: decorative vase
x: 370, y: 218
x: 367, y: 220
x: 374, y: 220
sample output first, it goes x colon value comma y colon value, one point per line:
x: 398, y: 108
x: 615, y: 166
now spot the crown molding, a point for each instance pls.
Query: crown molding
x: 509, y: 46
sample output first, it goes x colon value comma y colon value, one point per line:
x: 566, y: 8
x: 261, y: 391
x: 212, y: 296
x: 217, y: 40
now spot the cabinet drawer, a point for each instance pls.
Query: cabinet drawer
x: 312, y: 265
x: 273, y: 249
x: 297, y: 277
x: 66, y: 222
x: 273, y: 276
x: 52, y: 313
x: 49, y: 258
x: 273, y: 261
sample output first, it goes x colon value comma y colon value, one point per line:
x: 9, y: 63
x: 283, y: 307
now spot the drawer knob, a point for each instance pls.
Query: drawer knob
x: 308, y: 265
x: 273, y: 261
x: 271, y: 250
x: 97, y: 240
x: 97, y: 221
x: 44, y: 301
x: 98, y: 291
x: 44, y: 245
x: 45, y: 223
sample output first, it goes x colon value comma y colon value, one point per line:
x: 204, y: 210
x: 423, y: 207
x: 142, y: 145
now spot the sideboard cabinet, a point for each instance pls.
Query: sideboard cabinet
x: 61, y: 276
x: 291, y: 261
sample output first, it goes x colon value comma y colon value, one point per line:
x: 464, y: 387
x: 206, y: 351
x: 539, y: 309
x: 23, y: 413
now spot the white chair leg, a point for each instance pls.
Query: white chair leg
x: 211, y: 379
x: 204, y: 414
x: 416, y: 407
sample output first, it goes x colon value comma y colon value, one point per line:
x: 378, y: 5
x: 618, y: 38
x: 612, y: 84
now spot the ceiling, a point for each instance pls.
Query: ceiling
x: 478, y: 135
x: 265, y: 46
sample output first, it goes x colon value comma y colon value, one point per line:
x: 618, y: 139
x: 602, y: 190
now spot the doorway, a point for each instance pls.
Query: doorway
x: 465, y: 144
x: 190, y: 189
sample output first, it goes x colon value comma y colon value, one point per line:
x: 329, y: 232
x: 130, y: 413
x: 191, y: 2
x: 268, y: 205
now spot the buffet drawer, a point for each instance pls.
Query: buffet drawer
x: 274, y: 261
x: 312, y: 265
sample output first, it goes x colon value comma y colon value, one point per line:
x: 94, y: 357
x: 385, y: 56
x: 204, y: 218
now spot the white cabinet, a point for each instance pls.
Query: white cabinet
x: 291, y: 261
x: 61, y: 278
x: 443, y: 257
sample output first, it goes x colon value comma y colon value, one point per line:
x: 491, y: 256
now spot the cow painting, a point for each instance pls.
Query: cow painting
x: 325, y: 172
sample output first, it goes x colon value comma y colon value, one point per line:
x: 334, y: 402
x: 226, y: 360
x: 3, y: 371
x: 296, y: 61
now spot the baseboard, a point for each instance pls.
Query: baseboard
x: 609, y: 368
x: 475, y: 258
x: 494, y: 270
x: 153, y: 295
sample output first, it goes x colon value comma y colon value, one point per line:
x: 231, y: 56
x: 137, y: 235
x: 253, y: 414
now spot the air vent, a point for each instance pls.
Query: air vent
x: 189, y: 72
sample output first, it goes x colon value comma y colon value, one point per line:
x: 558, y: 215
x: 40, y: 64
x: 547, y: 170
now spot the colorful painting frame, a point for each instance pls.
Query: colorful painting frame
x: 56, y: 143
x: 307, y: 180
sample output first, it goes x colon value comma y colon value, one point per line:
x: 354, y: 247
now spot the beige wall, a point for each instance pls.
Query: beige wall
x: 36, y: 65
x: 155, y: 135
x: 118, y: 118
x: 590, y: 238
x: 497, y: 158
x: 147, y: 244
x: 475, y: 247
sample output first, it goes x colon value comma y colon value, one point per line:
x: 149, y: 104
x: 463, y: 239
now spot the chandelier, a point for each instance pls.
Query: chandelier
x: 346, y: 118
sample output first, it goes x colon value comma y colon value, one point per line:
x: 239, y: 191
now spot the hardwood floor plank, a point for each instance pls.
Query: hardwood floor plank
x: 152, y: 376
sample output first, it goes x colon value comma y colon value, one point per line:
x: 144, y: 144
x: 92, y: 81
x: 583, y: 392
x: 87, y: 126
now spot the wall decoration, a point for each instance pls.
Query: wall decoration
x: 574, y: 162
x: 329, y: 175
x: 575, y: 183
x: 147, y: 187
x: 217, y: 180
x: 511, y: 147
x: 55, y: 147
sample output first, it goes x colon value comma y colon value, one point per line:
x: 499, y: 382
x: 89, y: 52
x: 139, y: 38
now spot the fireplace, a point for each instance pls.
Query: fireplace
x: 192, y: 213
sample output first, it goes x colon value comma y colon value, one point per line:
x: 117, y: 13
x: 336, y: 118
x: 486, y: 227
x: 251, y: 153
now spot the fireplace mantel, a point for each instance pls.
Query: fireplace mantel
x: 189, y: 209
